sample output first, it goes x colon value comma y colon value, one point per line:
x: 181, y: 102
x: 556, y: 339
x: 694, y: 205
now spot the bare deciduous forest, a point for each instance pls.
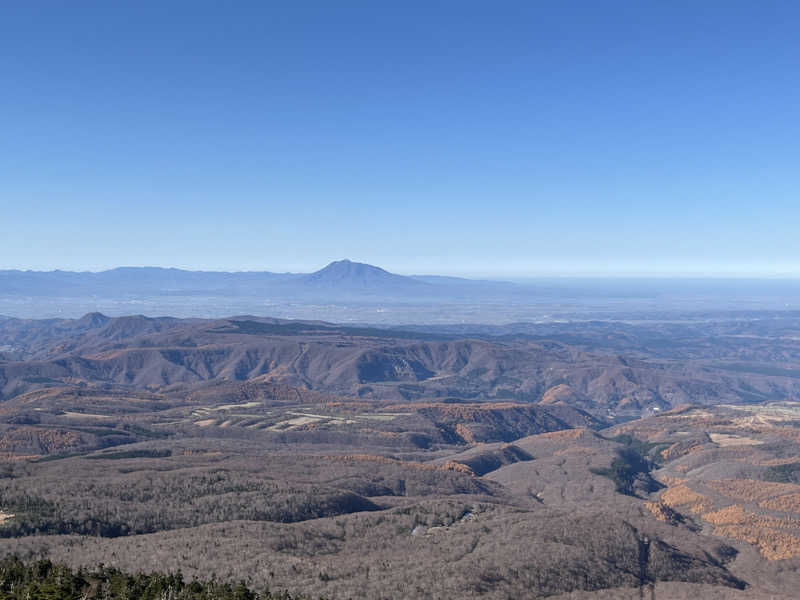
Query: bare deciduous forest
x: 390, y: 479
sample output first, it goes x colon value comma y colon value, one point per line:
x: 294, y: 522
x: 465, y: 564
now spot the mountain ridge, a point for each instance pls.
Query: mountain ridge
x: 340, y: 275
x: 384, y: 364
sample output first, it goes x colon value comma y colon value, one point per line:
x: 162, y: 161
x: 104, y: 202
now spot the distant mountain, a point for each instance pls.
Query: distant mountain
x: 157, y: 291
x: 342, y: 276
x: 135, y: 280
x: 346, y: 274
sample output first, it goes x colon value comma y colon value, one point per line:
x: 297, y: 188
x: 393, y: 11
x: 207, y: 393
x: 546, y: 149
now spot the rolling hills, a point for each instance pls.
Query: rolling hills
x: 389, y: 364
x: 557, y: 460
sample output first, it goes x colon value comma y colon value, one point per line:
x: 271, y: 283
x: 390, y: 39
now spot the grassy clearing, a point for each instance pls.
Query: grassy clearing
x: 726, y: 439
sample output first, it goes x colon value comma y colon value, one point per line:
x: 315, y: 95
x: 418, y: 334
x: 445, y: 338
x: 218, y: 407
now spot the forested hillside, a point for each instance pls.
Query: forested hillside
x: 346, y: 462
x: 47, y: 581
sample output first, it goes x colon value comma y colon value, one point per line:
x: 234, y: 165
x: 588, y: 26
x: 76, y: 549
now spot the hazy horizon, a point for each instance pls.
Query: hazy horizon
x: 496, y: 275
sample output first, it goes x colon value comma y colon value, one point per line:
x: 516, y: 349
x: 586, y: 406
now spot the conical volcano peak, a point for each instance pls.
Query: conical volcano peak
x: 349, y: 267
x: 347, y: 273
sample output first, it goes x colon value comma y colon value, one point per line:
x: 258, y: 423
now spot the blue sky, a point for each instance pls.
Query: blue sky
x: 483, y: 138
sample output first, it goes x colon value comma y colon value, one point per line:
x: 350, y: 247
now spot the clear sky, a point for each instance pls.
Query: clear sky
x: 460, y: 137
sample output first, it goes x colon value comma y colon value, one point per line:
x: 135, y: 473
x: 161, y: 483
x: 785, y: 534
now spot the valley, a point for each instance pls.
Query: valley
x: 421, y: 462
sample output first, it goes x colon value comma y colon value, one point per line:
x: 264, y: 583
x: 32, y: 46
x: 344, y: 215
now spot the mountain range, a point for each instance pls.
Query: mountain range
x: 339, y: 276
x: 347, y: 291
x: 578, y: 365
